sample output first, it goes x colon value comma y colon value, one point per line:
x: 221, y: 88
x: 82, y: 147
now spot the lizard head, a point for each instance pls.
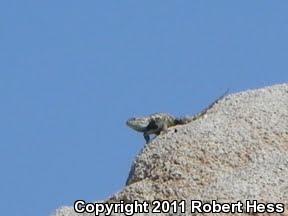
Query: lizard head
x: 138, y: 124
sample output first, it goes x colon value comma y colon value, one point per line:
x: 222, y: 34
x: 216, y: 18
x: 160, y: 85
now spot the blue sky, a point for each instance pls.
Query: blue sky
x: 72, y: 72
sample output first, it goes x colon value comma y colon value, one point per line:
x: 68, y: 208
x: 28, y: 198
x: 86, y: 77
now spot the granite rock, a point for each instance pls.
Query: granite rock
x: 238, y: 151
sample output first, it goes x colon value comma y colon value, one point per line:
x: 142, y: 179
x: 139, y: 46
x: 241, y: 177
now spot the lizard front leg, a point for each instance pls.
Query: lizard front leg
x: 146, y: 136
x: 152, y: 128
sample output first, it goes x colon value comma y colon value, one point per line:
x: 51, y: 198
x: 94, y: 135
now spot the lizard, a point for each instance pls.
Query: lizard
x: 157, y: 123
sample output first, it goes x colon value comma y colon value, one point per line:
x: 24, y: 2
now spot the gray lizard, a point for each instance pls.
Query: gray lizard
x: 160, y: 122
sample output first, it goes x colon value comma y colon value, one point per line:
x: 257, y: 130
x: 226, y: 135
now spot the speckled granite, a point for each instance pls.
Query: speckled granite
x: 239, y: 151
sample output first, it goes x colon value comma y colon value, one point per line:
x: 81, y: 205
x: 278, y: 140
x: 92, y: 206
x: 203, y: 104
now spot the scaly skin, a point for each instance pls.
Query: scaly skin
x: 160, y: 122
x: 152, y: 124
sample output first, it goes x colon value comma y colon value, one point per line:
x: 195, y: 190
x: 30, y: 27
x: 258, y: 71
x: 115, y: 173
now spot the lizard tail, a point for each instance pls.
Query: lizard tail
x: 203, y: 112
x: 185, y: 120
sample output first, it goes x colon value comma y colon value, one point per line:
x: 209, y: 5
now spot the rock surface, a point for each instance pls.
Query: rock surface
x: 238, y: 151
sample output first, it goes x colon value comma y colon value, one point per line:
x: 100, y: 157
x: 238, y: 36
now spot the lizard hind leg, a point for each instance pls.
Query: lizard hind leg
x: 164, y: 128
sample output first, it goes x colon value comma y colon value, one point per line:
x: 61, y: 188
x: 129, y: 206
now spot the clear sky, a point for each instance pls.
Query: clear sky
x: 72, y: 72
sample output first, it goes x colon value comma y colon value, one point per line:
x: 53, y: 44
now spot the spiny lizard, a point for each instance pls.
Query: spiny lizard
x: 160, y: 122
